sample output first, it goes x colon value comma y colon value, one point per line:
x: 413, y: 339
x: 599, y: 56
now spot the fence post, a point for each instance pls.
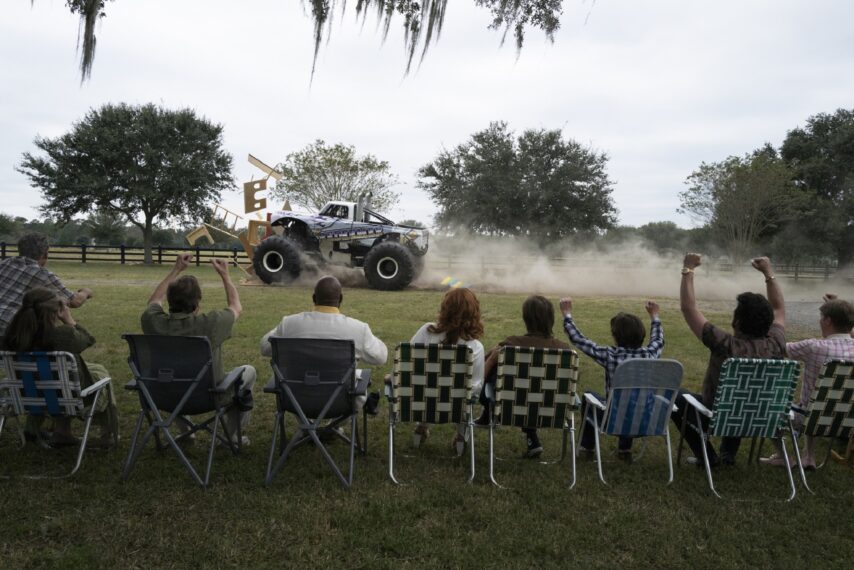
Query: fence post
x: 826, y: 271
x: 3, y: 250
x: 122, y: 253
x: 234, y: 254
x: 82, y: 253
x: 160, y: 254
x: 796, y: 270
x: 198, y: 254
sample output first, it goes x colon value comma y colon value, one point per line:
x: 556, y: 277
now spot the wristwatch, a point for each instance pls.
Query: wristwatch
x: 687, y: 270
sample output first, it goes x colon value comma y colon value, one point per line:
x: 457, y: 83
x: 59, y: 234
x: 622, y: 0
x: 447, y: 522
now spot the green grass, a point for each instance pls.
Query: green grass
x: 161, y: 518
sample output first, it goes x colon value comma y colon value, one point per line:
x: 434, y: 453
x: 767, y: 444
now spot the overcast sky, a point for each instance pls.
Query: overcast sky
x: 660, y: 86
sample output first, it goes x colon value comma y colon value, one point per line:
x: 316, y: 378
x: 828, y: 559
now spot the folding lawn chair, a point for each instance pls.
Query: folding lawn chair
x: 831, y: 408
x: 753, y: 400
x: 535, y: 388
x: 432, y: 384
x: 174, y: 374
x: 316, y: 380
x: 639, y: 404
x: 48, y: 384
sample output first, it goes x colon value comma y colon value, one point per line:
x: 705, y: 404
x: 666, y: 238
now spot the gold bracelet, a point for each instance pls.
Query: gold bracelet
x: 687, y: 270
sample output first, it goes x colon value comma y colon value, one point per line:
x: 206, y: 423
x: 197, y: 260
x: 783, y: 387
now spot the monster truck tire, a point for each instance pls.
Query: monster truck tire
x: 389, y: 266
x: 277, y: 260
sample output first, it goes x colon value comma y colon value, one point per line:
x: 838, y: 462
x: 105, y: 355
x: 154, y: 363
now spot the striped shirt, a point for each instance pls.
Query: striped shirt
x: 17, y: 276
x: 814, y: 352
x: 609, y: 357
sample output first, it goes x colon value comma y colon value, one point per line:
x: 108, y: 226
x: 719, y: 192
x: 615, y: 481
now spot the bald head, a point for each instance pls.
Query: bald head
x: 327, y: 292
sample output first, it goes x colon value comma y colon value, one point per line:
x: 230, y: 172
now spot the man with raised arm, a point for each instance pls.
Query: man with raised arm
x: 185, y: 319
x: 27, y: 271
x: 758, y: 332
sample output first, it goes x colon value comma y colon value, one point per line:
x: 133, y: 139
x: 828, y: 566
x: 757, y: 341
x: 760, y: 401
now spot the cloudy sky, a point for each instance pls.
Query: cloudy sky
x: 660, y: 86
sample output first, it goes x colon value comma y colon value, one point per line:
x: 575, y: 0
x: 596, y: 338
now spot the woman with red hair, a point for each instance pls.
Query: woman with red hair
x: 458, y: 322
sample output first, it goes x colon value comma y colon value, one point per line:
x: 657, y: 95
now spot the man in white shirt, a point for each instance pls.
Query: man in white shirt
x: 327, y: 321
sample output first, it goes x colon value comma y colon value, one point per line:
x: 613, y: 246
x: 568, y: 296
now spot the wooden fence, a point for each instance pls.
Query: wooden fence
x: 134, y: 254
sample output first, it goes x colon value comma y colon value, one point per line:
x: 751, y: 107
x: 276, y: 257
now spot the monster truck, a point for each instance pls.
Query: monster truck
x: 343, y: 233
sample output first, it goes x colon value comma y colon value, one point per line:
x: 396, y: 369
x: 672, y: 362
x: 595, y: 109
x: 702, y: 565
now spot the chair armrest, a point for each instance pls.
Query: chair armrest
x: 131, y: 385
x: 271, y: 387
x: 94, y: 387
x: 362, y: 384
x: 489, y: 391
x: 229, y: 380
x: 798, y: 410
x: 594, y: 401
x: 698, y: 405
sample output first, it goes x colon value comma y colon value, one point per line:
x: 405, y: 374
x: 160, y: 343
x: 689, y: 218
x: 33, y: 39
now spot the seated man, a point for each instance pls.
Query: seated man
x: 185, y: 319
x: 758, y: 332
x: 25, y: 272
x: 326, y: 321
x: 836, y: 322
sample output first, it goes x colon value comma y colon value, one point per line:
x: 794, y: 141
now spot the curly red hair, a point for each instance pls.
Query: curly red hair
x: 459, y: 317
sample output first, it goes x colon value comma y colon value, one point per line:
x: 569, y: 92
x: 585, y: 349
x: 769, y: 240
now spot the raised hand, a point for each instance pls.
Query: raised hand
x: 566, y: 305
x: 651, y: 308
x: 691, y: 261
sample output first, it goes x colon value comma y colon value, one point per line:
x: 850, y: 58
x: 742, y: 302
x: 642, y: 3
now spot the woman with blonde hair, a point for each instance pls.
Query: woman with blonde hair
x: 458, y: 322
x: 44, y: 323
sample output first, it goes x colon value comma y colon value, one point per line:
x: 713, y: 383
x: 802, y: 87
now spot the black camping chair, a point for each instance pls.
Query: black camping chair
x: 174, y: 374
x: 315, y: 379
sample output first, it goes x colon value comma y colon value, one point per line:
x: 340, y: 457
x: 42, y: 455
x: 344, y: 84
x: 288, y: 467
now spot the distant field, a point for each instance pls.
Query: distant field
x: 161, y: 519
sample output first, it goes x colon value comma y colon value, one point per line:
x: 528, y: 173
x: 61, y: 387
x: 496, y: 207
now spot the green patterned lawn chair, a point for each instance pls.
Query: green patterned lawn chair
x: 431, y: 384
x: 639, y: 404
x: 831, y: 408
x: 535, y: 388
x: 753, y: 400
x: 48, y: 384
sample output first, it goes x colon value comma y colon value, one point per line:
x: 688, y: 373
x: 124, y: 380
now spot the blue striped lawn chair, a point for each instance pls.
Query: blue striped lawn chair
x: 431, y: 383
x: 47, y: 384
x: 535, y: 388
x: 753, y: 399
x: 639, y: 404
x: 830, y: 413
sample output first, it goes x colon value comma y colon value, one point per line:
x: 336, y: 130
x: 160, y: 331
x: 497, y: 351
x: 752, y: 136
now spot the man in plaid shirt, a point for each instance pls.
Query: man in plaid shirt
x: 628, y: 332
x: 20, y: 274
x: 836, y: 322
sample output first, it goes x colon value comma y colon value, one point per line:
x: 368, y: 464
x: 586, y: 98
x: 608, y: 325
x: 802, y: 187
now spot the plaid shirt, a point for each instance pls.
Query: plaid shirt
x: 814, y: 352
x: 609, y: 357
x: 17, y: 276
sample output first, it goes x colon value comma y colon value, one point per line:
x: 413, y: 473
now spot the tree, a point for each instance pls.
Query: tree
x: 422, y: 21
x: 412, y: 223
x: 105, y: 227
x: 664, y: 237
x: 144, y: 162
x: 537, y: 185
x: 742, y: 198
x: 10, y: 228
x: 821, y: 155
x: 319, y: 173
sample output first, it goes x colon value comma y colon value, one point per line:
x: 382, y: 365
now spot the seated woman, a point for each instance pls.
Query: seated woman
x: 628, y: 332
x: 539, y: 317
x: 458, y: 322
x: 44, y: 323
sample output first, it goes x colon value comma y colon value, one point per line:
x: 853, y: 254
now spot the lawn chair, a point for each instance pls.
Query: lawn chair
x: 831, y: 408
x: 753, y: 400
x: 431, y: 384
x: 639, y: 404
x: 535, y: 388
x: 174, y: 374
x: 316, y: 380
x: 48, y: 384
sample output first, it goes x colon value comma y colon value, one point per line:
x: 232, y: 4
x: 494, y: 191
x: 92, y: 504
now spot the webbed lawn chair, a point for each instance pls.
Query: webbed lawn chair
x: 639, y: 404
x: 830, y: 412
x: 753, y: 400
x: 316, y: 380
x: 174, y: 374
x: 431, y: 384
x: 48, y: 384
x: 535, y: 388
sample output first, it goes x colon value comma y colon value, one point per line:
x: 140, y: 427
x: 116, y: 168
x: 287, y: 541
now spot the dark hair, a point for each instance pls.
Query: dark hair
x: 753, y: 316
x: 34, y: 322
x: 184, y: 295
x: 628, y: 330
x: 840, y: 313
x: 33, y: 245
x: 459, y: 317
x: 539, y: 315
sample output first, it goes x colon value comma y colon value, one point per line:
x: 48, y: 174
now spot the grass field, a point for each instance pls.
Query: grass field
x: 161, y: 518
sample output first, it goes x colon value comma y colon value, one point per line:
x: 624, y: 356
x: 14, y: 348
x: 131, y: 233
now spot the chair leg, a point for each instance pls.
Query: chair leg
x: 134, y: 451
x: 788, y: 469
x: 353, y: 437
x: 681, y: 438
x: 572, y: 448
x: 708, y: 467
x: 277, y: 423
x: 492, y: 453
x: 752, y: 447
x: 391, y: 425
x: 364, y: 448
x: 598, y: 448
x: 669, y: 454
x: 798, y: 457
x: 827, y: 455
x: 470, y: 430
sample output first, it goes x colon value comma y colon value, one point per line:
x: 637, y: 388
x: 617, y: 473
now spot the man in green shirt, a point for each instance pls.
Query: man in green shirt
x: 185, y: 319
